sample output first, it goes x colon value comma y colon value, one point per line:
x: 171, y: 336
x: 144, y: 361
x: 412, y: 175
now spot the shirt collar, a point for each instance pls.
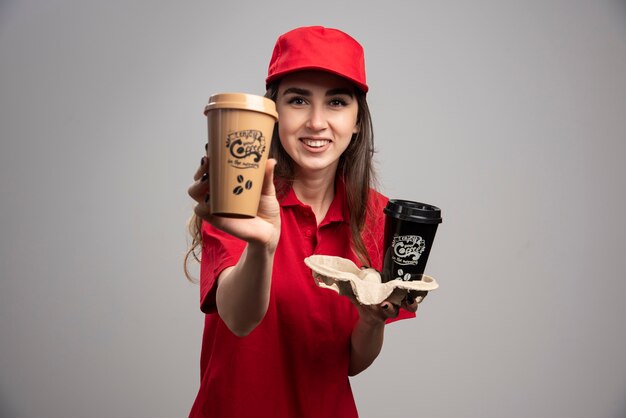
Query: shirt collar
x: 338, y: 210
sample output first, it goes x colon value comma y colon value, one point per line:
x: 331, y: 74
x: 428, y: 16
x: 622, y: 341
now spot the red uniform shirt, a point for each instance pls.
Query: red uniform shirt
x: 295, y: 362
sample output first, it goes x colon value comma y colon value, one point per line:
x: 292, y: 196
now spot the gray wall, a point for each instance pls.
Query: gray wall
x: 510, y: 116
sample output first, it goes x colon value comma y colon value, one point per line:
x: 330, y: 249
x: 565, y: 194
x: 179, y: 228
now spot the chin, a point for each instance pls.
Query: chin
x: 316, y: 168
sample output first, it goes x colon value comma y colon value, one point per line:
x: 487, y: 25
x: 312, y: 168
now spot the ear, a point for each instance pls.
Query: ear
x: 357, y: 121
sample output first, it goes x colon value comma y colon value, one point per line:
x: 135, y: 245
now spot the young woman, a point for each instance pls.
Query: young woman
x: 275, y: 344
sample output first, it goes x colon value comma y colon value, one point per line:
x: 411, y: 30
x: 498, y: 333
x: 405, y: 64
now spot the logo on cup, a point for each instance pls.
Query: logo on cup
x: 246, y: 147
x: 407, y: 249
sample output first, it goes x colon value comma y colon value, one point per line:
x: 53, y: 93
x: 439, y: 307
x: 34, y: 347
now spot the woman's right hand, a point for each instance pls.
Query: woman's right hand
x: 264, y: 229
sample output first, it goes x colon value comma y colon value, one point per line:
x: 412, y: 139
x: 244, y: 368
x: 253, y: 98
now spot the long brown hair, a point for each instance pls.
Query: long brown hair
x: 355, y: 168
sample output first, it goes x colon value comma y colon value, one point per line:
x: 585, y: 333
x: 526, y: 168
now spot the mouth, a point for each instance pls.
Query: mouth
x: 315, y: 143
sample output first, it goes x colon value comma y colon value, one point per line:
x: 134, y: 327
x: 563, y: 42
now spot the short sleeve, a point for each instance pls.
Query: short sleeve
x: 219, y: 250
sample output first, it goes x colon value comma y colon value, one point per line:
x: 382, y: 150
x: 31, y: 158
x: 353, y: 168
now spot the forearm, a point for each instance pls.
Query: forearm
x: 366, y: 343
x: 243, y: 292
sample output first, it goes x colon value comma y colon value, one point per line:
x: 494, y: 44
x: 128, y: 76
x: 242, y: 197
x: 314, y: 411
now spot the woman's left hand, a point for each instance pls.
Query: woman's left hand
x: 377, y: 314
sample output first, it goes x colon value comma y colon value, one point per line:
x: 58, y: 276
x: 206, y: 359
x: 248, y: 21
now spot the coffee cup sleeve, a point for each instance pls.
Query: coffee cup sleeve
x: 344, y: 277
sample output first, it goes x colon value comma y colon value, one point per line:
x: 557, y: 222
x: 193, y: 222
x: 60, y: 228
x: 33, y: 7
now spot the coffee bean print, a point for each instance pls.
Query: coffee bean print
x: 238, y: 190
x: 248, y: 184
x: 239, y: 178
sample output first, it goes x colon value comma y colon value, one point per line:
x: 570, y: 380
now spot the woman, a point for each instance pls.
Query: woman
x: 275, y: 344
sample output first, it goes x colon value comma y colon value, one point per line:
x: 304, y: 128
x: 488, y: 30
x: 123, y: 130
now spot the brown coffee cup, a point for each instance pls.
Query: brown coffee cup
x: 240, y: 128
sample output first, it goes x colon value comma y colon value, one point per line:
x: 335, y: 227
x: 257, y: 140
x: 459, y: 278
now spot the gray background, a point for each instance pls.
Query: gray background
x: 510, y: 116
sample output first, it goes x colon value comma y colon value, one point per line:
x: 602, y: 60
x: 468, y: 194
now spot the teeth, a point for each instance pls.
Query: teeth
x: 317, y: 143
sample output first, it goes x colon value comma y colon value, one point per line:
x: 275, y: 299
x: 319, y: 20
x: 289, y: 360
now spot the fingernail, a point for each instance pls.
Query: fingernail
x: 204, y: 177
x: 202, y: 161
x: 206, y: 146
x: 206, y: 198
x: 410, y: 300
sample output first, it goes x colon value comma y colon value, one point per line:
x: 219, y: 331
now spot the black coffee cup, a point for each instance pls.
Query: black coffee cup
x: 410, y: 229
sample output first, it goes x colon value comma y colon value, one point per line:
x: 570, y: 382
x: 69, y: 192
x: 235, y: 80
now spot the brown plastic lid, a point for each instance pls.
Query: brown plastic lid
x: 242, y: 101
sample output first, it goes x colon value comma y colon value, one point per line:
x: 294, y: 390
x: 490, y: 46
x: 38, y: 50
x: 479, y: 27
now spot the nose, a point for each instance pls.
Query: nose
x: 317, y: 119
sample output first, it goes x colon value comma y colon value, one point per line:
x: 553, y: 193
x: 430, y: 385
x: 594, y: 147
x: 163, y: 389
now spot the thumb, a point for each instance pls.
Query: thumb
x: 268, y: 179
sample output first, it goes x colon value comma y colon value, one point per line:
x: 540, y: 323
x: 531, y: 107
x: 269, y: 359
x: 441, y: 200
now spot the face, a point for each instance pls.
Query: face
x: 317, y: 116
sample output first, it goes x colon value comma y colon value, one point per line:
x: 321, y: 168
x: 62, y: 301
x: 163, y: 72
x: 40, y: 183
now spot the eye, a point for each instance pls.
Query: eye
x: 337, y: 102
x: 296, y: 100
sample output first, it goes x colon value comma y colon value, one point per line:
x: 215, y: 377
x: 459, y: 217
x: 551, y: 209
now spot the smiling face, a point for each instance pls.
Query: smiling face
x: 317, y: 116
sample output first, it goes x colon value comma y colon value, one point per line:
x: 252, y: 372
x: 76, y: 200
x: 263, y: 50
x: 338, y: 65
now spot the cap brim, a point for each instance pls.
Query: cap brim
x: 277, y: 76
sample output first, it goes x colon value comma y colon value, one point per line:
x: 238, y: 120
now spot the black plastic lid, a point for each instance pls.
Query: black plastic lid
x: 413, y: 211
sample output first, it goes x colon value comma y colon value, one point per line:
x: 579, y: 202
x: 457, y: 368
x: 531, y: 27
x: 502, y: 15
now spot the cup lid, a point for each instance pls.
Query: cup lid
x: 413, y: 211
x: 243, y: 101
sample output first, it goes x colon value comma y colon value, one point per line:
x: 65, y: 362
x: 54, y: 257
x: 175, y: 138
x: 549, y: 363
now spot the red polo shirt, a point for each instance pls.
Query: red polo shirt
x: 295, y: 362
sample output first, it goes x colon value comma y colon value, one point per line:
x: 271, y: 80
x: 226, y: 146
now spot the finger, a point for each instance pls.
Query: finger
x: 410, y: 304
x: 389, y: 309
x: 200, y: 189
x: 203, y: 211
x: 202, y: 169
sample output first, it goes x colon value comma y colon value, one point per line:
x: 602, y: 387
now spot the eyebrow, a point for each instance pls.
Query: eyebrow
x: 331, y: 92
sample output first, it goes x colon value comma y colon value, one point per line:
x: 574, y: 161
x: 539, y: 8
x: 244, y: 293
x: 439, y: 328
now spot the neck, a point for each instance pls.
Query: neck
x: 317, y: 191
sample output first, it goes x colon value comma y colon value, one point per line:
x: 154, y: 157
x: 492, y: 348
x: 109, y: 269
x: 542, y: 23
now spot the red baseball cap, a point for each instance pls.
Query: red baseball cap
x: 318, y: 48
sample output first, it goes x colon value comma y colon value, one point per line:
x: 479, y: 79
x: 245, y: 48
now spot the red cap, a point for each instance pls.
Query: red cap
x: 318, y: 48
